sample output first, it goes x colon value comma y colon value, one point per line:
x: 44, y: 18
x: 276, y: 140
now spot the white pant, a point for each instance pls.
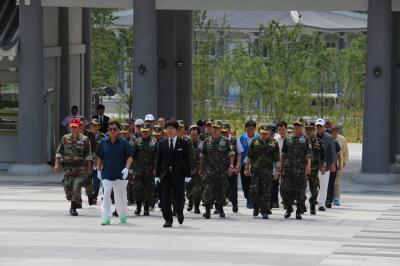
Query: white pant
x: 323, y: 188
x: 120, y: 197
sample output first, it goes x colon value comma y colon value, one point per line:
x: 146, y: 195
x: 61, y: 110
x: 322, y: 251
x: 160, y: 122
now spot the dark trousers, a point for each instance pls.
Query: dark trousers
x: 246, y: 181
x: 233, y: 189
x: 172, y: 188
x: 96, y: 184
x: 275, y: 192
x: 331, y: 187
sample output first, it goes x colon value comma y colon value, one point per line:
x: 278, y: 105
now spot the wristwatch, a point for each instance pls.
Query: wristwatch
x: 231, y: 166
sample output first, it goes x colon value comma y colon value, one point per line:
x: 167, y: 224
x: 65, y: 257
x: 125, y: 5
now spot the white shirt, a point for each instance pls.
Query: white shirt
x: 173, y: 141
x: 239, y: 147
x: 279, y: 139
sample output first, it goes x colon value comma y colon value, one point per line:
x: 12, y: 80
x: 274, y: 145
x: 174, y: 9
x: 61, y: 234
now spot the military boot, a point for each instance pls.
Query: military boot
x: 312, y: 209
x: 72, y: 210
x: 264, y: 215
x: 138, y: 208
x: 298, y: 214
x: 207, y: 214
x: 221, y: 212
x: 235, y: 208
x: 288, y: 212
x: 146, y: 210
x: 197, y: 207
x: 190, y: 206
x: 256, y: 211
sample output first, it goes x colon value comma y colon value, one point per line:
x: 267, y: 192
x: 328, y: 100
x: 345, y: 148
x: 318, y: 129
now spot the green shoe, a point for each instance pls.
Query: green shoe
x: 105, y: 222
x: 123, y: 220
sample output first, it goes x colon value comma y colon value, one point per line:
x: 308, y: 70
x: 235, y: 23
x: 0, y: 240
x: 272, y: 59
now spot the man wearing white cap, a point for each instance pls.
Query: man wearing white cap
x: 149, y: 119
x: 330, y: 159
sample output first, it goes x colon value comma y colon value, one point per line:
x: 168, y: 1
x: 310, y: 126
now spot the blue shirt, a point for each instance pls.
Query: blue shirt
x: 246, y: 141
x: 114, y: 156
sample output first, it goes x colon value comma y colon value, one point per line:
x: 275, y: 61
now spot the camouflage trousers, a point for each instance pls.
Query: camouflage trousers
x: 215, y: 189
x: 144, y: 189
x: 130, y: 189
x: 293, y: 188
x: 194, y: 189
x: 72, y: 188
x: 260, y: 190
x: 88, y: 185
x: 313, y: 182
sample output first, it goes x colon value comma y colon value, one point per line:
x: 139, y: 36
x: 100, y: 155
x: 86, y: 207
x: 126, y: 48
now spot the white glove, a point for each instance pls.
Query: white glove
x: 125, y: 173
x: 157, y: 180
x: 188, y: 179
x: 99, y: 174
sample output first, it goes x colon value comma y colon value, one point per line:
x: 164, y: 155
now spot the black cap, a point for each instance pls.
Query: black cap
x: 201, y: 123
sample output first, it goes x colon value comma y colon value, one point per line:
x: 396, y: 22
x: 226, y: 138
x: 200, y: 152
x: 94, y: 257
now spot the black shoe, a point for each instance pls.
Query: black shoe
x: 269, y: 212
x: 298, y: 215
x: 288, y: 212
x: 328, y: 205
x: 221, y: 213
x: 312, y: 210
x: 264, y: 216
x: 256, y: 211
x: 73, y: 212
x: 180, y: 218
x: 115, y: 213
x: 197, y: 208
x: 275, y: 205
x: 235, y: 208
x: 207, y: 214
x: 321, y: 209
x: 249, y: 205
x: 167, y: 225
x: 190, y: 206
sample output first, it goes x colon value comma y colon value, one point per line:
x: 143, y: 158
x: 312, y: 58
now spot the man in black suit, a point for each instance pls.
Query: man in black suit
x: 172, y: 171
x: 102, y: 118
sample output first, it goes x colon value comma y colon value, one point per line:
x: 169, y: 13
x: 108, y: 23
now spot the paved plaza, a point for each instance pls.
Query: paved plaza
x: 36, y: 229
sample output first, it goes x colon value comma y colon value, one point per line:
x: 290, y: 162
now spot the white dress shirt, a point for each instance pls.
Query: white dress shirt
x: 173, y: 141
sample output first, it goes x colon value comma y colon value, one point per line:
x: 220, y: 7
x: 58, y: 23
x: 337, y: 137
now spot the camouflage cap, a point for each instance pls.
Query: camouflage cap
x: 264, y: 128
x: 83, y: 120
x: 217, y: 124
x: 210, y: 122
x: 226, y: 127
x: 124, y: 128
x: 298, y: 123
x: 310, y: 125
x: 157, y: 130
x: 181, y: 123
x: 95, y: 121
x: 145, y: 127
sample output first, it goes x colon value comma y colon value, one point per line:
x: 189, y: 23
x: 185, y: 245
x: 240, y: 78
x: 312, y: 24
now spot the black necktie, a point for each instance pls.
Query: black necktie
x: 171, y: 145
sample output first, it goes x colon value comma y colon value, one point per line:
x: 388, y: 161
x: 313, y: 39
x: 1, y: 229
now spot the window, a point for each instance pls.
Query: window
x: 8, y: 106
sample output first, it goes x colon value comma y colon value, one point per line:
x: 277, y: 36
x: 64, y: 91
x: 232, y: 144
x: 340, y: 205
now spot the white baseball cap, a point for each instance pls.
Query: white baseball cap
x: 149, y: 117
x: 320, y: 122
x: 139, y: 122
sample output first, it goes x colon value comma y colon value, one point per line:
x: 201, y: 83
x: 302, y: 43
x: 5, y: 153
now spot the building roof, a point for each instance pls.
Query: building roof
x: 331, y: 21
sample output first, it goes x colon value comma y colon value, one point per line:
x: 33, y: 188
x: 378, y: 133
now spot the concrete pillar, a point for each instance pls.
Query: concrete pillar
x: 395, y: 99
x: 376, y: 137
x: 31, y: 133
x: 86, y: 39
x: 184, y: 73
x: 166, y: 39
x: 63, y: 39
x: 145, y: 53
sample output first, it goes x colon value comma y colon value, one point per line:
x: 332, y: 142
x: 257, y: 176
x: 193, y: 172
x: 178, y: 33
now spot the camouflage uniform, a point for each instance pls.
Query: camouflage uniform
x: 74, y: 156
x: 194, y: 189
x: 295, y: 150
x: 131, y: 186
x: 216, y: 153
x: 318, y: 157
x: 144, y: 156
x: 204, y: 135
x: 263, y: 156
x: 95, y: 181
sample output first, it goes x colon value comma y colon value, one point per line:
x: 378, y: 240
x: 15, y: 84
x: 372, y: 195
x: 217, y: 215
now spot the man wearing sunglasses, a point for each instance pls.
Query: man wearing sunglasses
x: 114, y: 159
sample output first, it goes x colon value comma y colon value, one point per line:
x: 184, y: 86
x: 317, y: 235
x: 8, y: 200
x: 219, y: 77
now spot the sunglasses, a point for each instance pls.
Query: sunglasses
x: 112, y: 129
